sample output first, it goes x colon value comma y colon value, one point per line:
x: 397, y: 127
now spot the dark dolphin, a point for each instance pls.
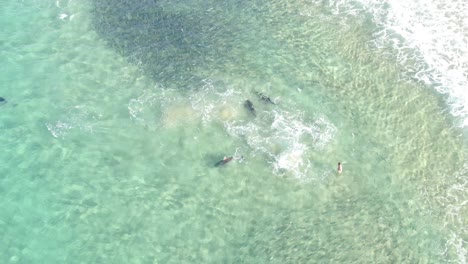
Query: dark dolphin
x: 264, y: 98
x: 250, y: 107
x: 2, y: 100
x: 223, y: 161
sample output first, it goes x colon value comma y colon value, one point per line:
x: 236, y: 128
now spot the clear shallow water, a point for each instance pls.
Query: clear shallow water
x: 117, y: 113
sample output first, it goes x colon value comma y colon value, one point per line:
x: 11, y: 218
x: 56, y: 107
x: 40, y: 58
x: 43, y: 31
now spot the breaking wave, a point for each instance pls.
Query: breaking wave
x: 428, y: 37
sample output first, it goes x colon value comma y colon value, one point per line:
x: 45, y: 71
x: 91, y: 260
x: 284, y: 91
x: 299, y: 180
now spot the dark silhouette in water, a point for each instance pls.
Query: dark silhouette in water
x: 250, y: 107
x: 264, y: 98
x: 223, y: 161
x: 172, y: 42
x: 2, y: 100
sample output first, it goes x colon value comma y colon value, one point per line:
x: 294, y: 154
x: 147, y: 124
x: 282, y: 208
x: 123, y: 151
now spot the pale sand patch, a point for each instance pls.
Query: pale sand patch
x: 178, y: 114
x: 228, y: 113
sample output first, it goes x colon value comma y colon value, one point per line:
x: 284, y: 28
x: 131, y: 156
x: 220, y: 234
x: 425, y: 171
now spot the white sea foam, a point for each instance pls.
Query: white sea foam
x: 143, y: 109
x: 63, y: 16
x: 65, y: 9
x: 430, y: 38
x: 171, y: 107
x: 161, y: 108
x: 280, y: 135
x: 211, y: 98
x: 288, y: 140
x: 456, y: 242
x: 300, y: 136
x: 77, y: 117
x: 456, y: 203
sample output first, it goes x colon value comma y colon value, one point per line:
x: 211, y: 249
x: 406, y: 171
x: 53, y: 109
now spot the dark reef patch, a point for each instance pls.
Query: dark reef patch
x: 174, y: 42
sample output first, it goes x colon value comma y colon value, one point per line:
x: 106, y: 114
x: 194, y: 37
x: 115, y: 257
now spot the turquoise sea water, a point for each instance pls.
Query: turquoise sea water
x: 117, y: 112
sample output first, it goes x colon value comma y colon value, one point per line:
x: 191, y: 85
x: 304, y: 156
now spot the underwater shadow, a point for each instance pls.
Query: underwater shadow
x: 172, y: 42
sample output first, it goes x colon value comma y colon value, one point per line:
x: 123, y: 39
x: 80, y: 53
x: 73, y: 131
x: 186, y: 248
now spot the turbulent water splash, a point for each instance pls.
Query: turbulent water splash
x: 77, y: 117
x: 282, y: 137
